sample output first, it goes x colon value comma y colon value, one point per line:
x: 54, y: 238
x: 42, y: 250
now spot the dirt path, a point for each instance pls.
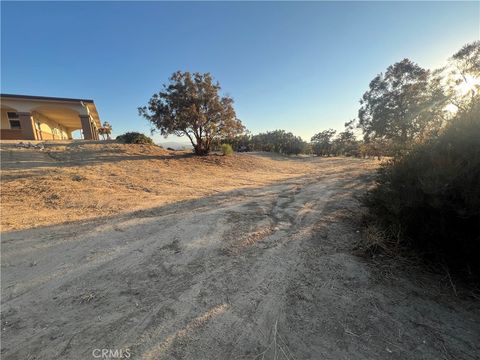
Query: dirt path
x: 264, y: 273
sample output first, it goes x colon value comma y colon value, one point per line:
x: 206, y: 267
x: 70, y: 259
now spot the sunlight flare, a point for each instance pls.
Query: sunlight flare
x: 468, y: 84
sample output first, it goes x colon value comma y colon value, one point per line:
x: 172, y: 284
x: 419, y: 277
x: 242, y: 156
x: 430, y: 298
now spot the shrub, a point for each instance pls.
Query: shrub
x: 430, y: 198
x: 134, y: 138
x: 226, y: 149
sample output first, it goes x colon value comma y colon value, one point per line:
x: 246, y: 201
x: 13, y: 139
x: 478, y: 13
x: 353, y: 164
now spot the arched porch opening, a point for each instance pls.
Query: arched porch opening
x: 53, y: 122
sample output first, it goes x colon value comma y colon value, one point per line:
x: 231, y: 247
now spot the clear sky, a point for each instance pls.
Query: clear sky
x: 298, y: 66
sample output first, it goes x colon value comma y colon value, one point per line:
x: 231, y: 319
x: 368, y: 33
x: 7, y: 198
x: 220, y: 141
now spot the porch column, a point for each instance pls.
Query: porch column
x: 95, y: 132
x: 26, y: 126
x: 97, y: 136
x: 86, y: 127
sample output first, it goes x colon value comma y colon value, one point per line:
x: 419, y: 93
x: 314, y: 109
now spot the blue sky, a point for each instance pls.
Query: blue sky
x: 298, y: 66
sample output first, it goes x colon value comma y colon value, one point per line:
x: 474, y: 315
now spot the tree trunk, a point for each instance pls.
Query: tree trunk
x: 200, y: 147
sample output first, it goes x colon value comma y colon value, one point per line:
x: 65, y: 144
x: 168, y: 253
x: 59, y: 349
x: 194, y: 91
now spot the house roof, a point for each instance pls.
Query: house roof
x: 33, y: 97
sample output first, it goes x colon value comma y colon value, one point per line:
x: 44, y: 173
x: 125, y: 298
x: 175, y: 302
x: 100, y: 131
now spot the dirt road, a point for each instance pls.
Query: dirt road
x: 262, y: 273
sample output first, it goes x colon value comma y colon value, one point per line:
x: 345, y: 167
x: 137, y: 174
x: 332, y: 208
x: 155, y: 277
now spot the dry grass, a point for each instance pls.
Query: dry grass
x: 374, y: 240
x: 69, y: 182
x: 277, y: 347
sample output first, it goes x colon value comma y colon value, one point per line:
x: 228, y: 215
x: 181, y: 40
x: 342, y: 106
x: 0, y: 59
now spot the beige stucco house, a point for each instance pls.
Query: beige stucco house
x: 25, y: 117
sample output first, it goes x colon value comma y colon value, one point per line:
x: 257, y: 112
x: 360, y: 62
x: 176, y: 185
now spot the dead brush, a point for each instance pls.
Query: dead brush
x: 374, y: 241
x: 277, y: 347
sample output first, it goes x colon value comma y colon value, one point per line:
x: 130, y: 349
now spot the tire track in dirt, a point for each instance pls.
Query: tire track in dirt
x: 129, y: 274
x: 233, y: 275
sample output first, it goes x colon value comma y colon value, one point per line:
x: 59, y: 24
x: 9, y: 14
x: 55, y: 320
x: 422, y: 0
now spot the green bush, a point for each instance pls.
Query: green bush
x: 134, y: 138
x: 429, y: 199
x: 226, y: 149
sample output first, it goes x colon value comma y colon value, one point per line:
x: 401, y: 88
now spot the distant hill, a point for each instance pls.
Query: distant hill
x: 175, y: 145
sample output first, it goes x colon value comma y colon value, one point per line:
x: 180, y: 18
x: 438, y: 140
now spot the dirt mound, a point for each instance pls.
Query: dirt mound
x: 114, y: 147
x: 83, y: 151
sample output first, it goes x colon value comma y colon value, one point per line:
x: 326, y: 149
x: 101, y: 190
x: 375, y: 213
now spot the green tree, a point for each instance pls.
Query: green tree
x: 394, y: 106
x: 241, y: 142
x: 279, y: 141
x: 190, y: 105
x: 322, y: 142
x: 346, y: 143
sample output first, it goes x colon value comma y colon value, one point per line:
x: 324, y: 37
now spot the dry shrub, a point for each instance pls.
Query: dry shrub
x: 429, y: 199
x: 374, y: 240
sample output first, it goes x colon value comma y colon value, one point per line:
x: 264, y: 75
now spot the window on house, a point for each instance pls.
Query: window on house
x: 14, y: 120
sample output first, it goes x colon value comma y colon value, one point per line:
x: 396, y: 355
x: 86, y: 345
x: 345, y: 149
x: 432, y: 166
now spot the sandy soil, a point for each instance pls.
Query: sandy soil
x: 70, y: 182
x: 261, y: 272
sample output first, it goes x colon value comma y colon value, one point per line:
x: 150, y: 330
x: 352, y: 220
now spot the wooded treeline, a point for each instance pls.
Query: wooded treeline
x: 404, y: 106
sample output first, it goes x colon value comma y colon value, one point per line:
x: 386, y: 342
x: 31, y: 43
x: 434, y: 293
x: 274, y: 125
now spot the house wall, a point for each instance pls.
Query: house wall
x: 46, y: 128
x: 5, y: 124
x: 8, y: 134
x: 5, y: 132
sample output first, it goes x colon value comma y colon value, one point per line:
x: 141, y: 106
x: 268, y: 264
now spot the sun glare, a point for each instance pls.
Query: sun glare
x: 451, y: 108
x: 468, y: 84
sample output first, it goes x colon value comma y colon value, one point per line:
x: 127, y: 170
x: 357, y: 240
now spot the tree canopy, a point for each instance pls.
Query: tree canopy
x: 190, y: 105
x: 279, y: 141
x: 393, y: 106
x: 463, y: 76
x: 322, y: 142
